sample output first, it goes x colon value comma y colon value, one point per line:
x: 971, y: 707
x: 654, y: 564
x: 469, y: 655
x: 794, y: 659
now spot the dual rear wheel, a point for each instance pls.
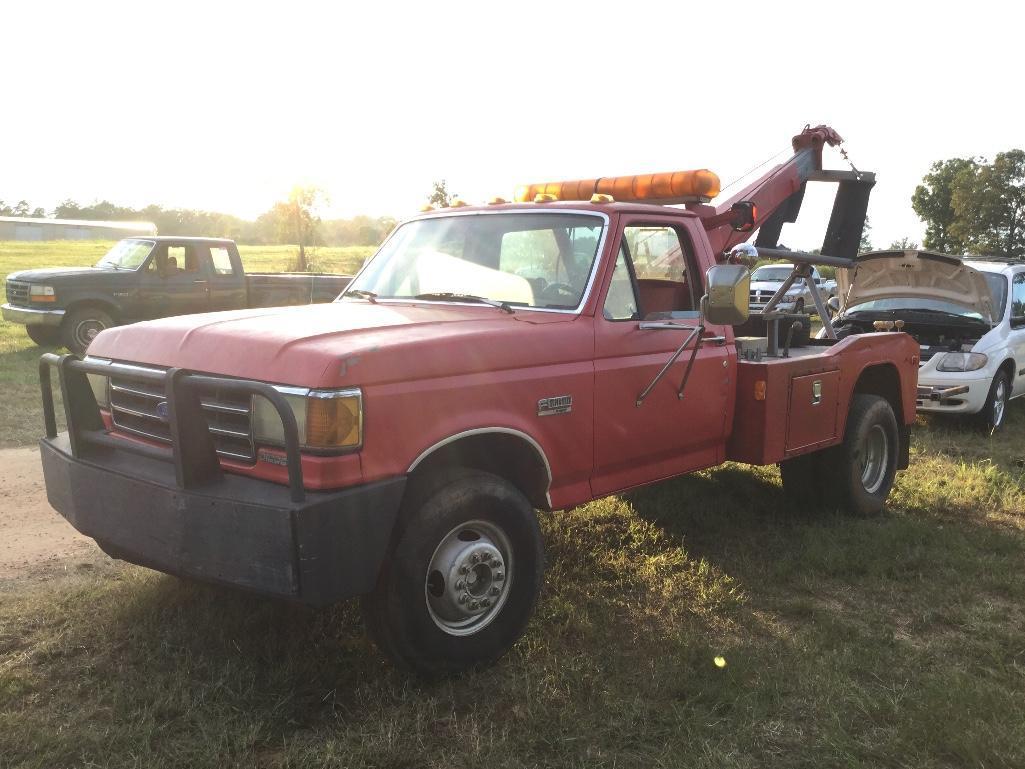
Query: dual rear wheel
x: 856, y: 476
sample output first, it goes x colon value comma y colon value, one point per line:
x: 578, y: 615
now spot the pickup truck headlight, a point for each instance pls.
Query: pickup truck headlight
x: 40, y: 293
x: 327, y: 419
x: 961, y: 361
x: 99, y: 383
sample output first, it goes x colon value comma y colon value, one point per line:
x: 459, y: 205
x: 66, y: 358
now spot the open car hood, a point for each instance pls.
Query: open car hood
x: 920, y: 274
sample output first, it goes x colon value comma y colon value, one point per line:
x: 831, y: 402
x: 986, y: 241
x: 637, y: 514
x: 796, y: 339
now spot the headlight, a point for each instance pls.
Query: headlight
x: 961, y: 361
x: 327, y: 419
x: 99, y: 383
x: 40, y: 293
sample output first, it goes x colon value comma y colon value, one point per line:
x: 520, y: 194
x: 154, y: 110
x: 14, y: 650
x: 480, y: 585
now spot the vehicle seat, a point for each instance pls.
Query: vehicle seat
x: 663, y: 295
x: 172, y: 264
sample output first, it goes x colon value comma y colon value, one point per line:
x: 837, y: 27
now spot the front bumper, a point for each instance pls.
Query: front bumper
x: 243, y: 532
x: 30, y: 317
x: 176, y: 510
x: 952, y: 397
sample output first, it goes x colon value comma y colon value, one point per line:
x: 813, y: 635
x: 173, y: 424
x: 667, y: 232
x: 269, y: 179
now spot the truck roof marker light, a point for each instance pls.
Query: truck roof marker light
x: 759, y: 389
x: 600, y: 198
x: 670, y: 187
x: 497, y: 201
x: 458, y: 203
x: 543, y: 197
x: 425, y: 208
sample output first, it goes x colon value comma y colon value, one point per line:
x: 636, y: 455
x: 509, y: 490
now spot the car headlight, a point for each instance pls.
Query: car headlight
x: 41, y: 293
x: 99, y: 383
x: 327, y: 419
x: 961, y: 361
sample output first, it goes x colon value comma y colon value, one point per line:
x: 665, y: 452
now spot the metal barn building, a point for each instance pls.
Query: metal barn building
x: 28, y: 228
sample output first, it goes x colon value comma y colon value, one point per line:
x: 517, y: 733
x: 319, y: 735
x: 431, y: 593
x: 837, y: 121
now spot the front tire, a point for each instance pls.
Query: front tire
x: 993, y: 413
x: 80, y: 327
x: 463, y: 576
x: 858, y: 474
x: 44, y: 336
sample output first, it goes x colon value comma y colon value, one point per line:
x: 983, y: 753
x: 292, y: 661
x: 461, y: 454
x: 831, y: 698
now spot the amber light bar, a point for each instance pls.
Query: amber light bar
x: 672, y: 187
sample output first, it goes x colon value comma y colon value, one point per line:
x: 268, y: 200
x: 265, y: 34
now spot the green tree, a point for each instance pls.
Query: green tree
x: 933, y: 201
x: 904, y: 244
x: 296, y: 221
x: 989, y: 207
x: 441, y: 197
x: 865, y: 244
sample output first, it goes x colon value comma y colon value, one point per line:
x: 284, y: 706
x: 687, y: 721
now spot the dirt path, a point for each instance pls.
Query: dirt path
x: 31, y: 532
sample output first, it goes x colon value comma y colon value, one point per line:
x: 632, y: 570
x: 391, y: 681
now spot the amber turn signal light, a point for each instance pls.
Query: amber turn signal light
x: 333, y: 422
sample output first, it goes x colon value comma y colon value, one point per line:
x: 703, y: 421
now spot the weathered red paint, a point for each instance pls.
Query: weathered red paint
x: 430, y: 372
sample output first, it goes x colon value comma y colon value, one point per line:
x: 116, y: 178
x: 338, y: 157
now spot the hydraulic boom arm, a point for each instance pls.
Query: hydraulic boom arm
x: 777, y: 198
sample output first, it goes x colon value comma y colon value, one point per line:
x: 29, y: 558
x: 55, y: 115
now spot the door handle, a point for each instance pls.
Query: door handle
x: 199, y: 281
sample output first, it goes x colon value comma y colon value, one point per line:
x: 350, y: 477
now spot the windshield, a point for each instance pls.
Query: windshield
x: 127, y: 254
x: 998, y: 287
x: 521, y: 259
x: 772, y: 274
x: 912, y: 303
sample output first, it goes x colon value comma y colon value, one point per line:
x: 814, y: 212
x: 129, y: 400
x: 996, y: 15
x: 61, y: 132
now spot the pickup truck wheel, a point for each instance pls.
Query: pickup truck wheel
x: 462, y: 579
x: 44, y: 336
x: 80, y: 327
x: 858, y: 474
x: 991, y: 418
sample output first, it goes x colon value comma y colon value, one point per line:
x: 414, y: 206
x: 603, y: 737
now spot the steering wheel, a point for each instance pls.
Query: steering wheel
x: 559, y: 291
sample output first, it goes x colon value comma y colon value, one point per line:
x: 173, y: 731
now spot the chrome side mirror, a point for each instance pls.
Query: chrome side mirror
x: 728, y: 300
x: 834, y: 304
x: 744, y: 252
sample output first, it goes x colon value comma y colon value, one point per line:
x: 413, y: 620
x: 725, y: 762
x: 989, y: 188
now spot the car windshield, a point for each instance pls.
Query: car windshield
x: 531, y: 259
x: 913, y: 303
x: 771, y: 274
x: 127, y: 254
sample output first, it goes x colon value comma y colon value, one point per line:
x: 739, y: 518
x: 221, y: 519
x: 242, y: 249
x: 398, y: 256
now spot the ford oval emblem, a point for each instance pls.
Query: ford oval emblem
x: 162, y: 410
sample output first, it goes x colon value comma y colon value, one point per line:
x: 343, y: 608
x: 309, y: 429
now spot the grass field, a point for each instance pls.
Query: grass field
x: 897, y: 641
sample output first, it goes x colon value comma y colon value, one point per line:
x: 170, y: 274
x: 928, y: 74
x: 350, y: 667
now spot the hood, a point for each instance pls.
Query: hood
x: 48, y: 274
x: 350, y: 343
x: 918, y: 274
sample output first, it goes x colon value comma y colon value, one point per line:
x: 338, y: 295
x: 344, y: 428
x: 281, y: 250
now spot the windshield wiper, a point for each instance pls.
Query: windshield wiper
x: 370, y: 296
x: 504, y: 306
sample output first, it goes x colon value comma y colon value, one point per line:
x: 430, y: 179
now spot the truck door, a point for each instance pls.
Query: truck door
x: 656, y: 278
x: 227, y: 280
x: 176, y: 281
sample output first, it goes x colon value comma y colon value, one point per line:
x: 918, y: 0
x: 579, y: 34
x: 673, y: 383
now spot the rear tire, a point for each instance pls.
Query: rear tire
x: 994, y: 412
x: 462, y: 578
x: 857, y: 475
x: 81, y: 326
x: 44, y: 336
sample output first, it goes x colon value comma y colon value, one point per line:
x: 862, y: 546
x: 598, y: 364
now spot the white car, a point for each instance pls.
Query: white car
x: 767, y: 279
x: 968, y: 316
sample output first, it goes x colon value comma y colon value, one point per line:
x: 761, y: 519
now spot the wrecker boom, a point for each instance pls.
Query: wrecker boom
x: 777, y: 196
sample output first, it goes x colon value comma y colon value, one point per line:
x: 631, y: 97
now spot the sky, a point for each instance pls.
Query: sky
x: 225, y: 106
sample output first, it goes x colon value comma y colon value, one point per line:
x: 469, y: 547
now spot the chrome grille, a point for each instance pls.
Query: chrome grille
x: 134, y: 409
x: 17, y: 292
x: 761, y: 295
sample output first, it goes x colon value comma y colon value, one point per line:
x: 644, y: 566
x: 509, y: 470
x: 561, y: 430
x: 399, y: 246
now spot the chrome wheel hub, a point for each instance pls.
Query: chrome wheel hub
x: 875, y: 456
x: 87, y: 330
x: 999, y: 403
x: 468, y: 578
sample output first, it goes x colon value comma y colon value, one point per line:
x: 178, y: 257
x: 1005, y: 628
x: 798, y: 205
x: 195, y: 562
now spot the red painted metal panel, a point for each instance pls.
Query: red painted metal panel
x: 812, y: 413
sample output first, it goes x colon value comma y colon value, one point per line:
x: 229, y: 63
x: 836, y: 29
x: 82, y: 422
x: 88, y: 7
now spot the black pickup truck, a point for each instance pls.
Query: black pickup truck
x: 151, y: 277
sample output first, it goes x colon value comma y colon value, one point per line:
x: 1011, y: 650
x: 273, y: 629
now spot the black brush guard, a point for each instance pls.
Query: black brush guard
x: 316, y: 547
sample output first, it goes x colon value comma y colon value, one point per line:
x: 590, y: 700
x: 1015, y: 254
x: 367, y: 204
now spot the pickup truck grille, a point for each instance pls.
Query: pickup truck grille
x: 134, y: 409
x: 17, y: 292
x: 761, y: 295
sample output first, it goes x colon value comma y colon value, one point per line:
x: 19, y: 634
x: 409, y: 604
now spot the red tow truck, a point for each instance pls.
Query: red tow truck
x: 488, y: 361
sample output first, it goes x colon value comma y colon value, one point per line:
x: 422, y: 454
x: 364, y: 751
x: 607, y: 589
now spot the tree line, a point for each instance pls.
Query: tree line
x: 290, y: 221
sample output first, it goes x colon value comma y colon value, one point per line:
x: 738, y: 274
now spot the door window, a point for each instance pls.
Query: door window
x: 1018, y: 300
x: 221, y: 260
x: 621, y: 300
x: 662, y: 263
